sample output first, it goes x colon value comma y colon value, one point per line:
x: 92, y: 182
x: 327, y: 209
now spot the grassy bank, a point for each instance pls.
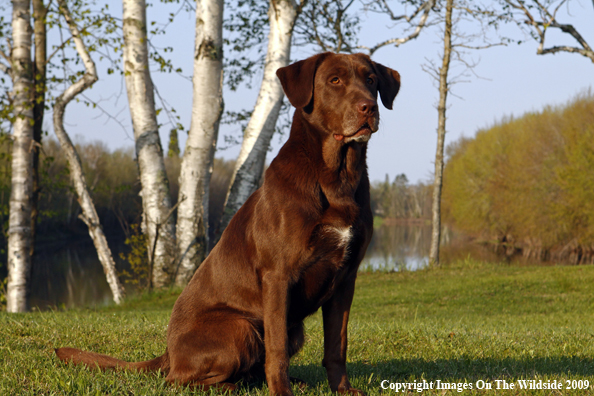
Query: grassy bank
x: 465, y: 323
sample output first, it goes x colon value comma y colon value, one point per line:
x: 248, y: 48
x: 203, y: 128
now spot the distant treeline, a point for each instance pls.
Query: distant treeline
x: 112, y: 177
x: 528, y: 183
x: 400, y: 200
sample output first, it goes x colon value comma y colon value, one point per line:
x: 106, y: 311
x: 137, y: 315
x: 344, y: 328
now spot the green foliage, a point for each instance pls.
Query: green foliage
x: 112, y: 179
x: 5, y: 180
x: 528, y: 182
x: 3, y: 283
x: 137, y: 259
x: 5, y: 184
x: 245, y: 29
x: 173, y: 149
x: 458, y: 323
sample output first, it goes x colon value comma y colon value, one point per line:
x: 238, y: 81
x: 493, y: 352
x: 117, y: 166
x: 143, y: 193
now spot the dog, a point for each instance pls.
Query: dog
x: 292, y: 248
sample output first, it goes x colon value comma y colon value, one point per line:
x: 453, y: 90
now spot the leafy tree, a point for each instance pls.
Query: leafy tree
x: 89, y: 214
x: 525, y: 183
x: 33, y: 81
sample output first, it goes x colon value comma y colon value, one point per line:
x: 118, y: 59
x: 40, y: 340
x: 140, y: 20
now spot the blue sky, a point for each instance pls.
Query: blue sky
x: 511, y: 80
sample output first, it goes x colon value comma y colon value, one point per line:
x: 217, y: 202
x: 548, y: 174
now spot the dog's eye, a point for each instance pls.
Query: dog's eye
x: 335, y: 80
x: 370, y: 80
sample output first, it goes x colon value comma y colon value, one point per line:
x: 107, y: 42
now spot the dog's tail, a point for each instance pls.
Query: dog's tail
x: 92, y: 359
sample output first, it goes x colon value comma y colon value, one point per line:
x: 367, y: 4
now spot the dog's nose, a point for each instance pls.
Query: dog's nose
x: 367, y: 107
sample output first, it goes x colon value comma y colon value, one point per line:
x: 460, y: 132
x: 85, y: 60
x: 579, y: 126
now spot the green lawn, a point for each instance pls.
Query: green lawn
x: 463, y: 324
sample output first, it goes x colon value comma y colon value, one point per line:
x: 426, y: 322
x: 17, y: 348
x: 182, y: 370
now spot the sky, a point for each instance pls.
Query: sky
x: 508, y: 81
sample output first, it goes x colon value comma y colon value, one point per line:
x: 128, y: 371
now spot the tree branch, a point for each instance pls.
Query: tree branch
x: 6, y: 57
x: 386, y: 8
x: 479, y: 47
x: 549, y: 21
x: 58, y: 48
x: 569, y: 29
x: 5, y: 68
x: 425, y: 8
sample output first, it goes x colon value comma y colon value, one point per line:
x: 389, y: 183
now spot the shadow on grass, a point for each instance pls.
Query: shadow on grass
x: 454, y: 369
x: 367, y: 376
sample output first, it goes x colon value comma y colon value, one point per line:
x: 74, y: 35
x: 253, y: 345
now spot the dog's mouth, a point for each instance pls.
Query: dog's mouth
x: 361, y: 135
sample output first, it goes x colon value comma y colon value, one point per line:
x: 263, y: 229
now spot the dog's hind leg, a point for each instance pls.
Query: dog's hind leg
x: 217, y: 349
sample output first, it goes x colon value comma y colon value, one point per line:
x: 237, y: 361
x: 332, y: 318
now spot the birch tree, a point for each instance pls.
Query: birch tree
x: 197, y: 162
x: 540, y: 17
x: 441, y: 131
x: 259, y: 130
x: 455, y: 43
x: 89, y: 214
x: 157, y: 221
x: 20, y: 236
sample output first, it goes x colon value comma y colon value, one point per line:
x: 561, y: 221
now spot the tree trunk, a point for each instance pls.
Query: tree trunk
x: 39, y: 72
x: 256, y: 138
x: 89, y: 214
x: 157, y: 223
x: 20, y: 237
x: 441, y: 131
x: 197, y: 162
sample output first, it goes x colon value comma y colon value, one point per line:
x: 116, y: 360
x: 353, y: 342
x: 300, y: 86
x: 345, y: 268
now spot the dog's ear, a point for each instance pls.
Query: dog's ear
x: 297, y: 80
x: 388, y: 84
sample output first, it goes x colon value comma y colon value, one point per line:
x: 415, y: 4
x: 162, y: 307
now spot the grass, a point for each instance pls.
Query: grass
x: 463, y: 323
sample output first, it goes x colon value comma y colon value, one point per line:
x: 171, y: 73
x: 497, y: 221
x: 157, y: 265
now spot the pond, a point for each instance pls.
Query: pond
x: 70, y: 275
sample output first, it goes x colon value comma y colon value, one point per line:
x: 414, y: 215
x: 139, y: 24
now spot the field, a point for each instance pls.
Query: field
x: 465, y: 325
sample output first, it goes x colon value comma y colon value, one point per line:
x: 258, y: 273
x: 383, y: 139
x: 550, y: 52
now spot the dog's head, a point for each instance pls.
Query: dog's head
x: 338, y: 93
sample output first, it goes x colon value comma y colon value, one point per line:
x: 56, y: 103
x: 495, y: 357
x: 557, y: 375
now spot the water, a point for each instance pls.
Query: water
x: 71, y: 275
x: 398, y: 247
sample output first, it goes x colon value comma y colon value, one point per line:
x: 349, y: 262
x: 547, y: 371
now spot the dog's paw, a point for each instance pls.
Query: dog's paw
x: 280, y: 388
x: 281, y: 392
x: 299, y: 383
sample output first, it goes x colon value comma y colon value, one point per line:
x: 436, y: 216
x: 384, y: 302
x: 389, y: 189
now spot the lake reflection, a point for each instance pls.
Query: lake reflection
x: 72, y: 276
x: 68, y: 276
x: 398, y: 247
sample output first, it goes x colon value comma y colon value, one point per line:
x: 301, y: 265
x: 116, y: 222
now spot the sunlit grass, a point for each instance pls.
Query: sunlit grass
x: 464, y: 323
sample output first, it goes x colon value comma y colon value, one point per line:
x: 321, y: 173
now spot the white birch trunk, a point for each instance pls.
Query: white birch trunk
x: 256, y: 138
x: 20, y: 236
x: 196, y: 166
x: 89, y: 214
x: 441, y: 131
x: 157, y: 223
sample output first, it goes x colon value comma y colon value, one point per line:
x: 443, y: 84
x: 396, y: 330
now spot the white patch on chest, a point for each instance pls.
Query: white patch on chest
x: 344, y: 235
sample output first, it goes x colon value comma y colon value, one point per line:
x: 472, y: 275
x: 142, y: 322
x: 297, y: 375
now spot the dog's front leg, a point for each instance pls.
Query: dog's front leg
x: 336, y: 317
x: 275, y: 303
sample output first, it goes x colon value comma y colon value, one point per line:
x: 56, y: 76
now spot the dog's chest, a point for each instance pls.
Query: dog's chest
x: 324, y: 268
x: 342, y: 234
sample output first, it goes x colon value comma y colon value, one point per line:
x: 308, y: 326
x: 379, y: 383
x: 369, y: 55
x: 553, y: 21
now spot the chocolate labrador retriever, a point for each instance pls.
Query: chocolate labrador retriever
x: 293, y: 247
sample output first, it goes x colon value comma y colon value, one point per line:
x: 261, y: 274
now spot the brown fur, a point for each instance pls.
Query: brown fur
x: 293, y: 247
